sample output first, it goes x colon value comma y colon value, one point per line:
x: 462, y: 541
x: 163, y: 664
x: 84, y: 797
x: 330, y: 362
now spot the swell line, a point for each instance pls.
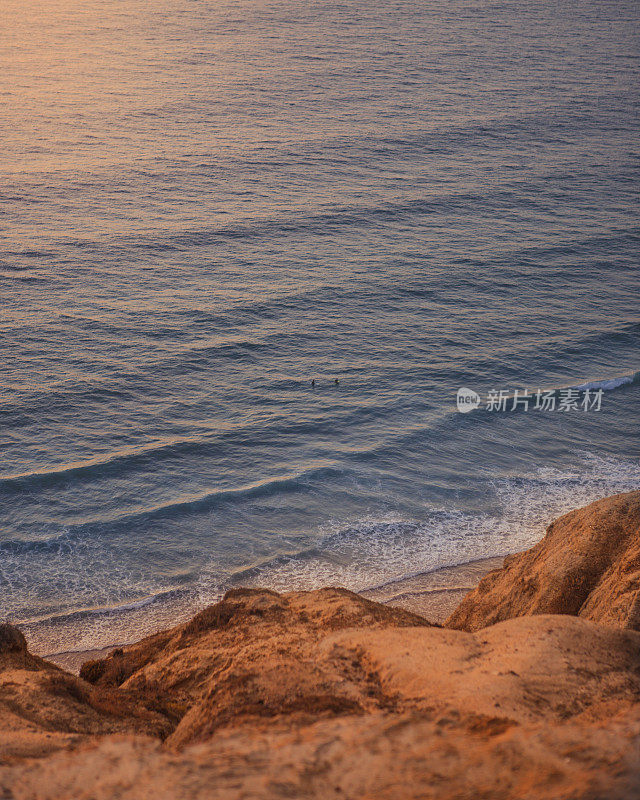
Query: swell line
x: 191, y: 504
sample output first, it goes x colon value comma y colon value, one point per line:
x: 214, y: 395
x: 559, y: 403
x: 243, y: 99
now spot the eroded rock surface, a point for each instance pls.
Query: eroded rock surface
x: 587, y: 565
x: 326, y: 694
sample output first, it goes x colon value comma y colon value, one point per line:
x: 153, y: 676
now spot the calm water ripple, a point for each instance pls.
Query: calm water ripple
x: 208, y: 206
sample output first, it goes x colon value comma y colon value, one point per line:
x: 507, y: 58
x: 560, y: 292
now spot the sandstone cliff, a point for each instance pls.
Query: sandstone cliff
x: 587, y: 565
x: 326, y: 694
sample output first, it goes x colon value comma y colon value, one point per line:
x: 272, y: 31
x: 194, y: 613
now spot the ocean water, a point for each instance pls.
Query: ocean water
x: 206, y: 205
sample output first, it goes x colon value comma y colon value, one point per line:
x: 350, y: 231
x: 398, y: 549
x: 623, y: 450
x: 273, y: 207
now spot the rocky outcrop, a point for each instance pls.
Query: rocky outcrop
x: 327, y: 694
x: 587, y: 565
x: 44, y: 708
x: 12, y: 642
x: 257, y: 655
x: 359, y: 757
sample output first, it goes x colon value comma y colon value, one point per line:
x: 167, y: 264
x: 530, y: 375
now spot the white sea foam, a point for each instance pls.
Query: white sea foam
x: 371, y: 551
x: 366, y: 552
x: 606, y: 384
x: 609, y: 384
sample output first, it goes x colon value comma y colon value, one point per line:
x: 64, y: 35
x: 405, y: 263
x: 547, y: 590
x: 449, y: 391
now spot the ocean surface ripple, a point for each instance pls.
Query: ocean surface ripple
x: 210, y: 204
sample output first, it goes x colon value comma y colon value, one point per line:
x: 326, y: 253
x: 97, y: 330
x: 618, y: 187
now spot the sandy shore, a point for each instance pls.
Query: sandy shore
x: 74, y: 660
x: 434, y: 595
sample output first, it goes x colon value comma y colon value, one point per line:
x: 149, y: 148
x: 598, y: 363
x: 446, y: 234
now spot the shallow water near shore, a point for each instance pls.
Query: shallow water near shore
x: 209, y: 206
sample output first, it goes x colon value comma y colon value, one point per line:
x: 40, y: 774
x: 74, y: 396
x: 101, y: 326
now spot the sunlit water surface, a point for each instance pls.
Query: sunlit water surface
x: 205, y: 205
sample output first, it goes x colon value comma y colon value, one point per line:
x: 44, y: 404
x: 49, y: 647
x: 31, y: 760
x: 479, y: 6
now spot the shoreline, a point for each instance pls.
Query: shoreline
x: 531, y: 684
x: 433, y: 595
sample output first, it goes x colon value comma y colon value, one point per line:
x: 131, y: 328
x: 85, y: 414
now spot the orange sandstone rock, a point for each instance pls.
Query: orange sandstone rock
x: 587, y: 565
x: 326, y: 694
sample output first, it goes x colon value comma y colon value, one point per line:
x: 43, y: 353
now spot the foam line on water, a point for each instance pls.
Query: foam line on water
x: 609, y: 384
x: 360, y: 554
x: 373, y: 551
x: 606, y: 384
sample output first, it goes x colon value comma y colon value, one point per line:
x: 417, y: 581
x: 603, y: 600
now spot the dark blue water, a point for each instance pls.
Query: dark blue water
x: 208, y: 205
